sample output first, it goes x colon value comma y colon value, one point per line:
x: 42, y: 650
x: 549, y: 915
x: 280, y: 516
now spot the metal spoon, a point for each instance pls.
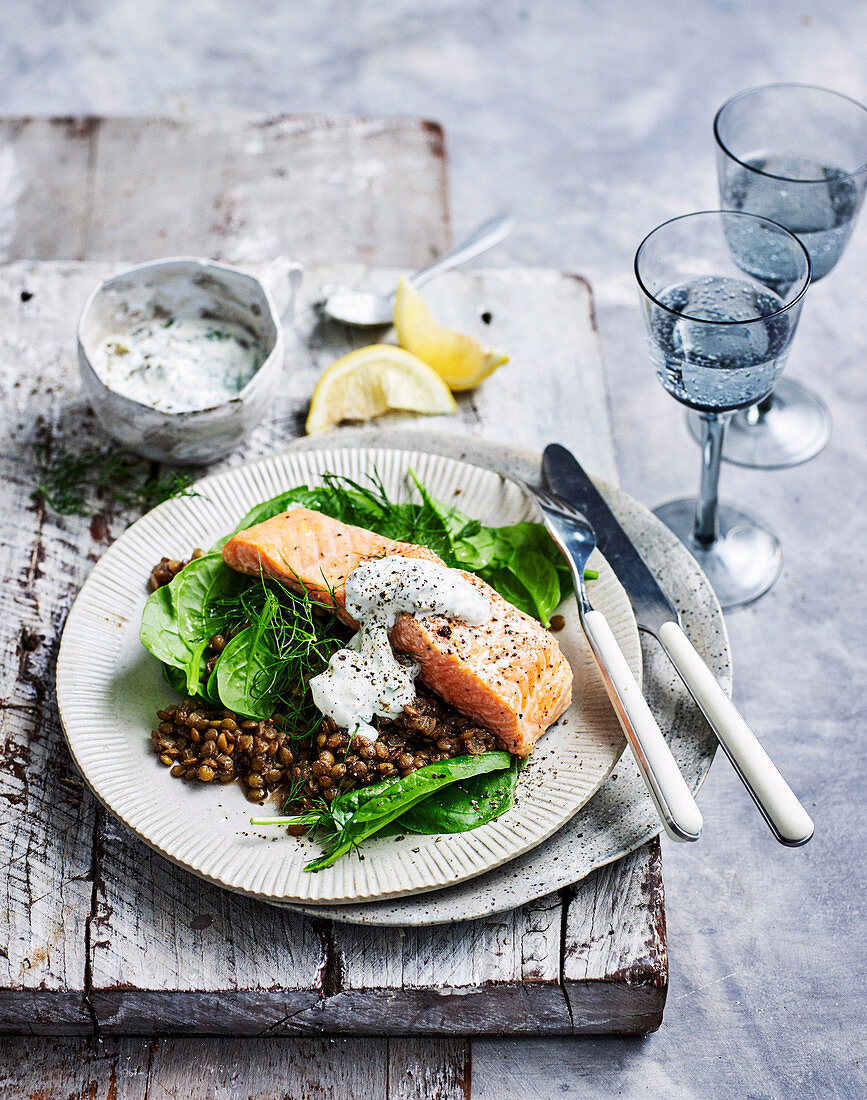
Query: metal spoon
x: 364, y: 308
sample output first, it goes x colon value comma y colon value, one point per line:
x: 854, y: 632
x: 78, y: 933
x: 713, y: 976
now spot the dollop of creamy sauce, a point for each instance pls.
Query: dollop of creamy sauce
x: 177, y: 364
x: 368, y: 678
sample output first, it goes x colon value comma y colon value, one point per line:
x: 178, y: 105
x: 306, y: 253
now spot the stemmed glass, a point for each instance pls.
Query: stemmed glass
x: 721, y: 294
x: 796, y: 154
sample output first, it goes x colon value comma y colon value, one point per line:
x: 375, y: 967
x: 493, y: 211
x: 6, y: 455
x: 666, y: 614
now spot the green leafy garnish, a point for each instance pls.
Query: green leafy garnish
x: 179, y: 617
x: 465, y: 805
x: 520, y: 561
x: 358, y: 814
x: 74, y: 483
x: 281, y: 641
x: 267, y: 665
x: 160, y: 631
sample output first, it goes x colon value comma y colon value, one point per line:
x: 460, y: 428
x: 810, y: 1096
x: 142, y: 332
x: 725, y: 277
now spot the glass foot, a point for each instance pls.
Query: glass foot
x: 742, y: 563
x: 791, y: 428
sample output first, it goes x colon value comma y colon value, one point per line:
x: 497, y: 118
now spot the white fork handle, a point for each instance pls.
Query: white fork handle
x: 677, y: 809
x: 789, y: 821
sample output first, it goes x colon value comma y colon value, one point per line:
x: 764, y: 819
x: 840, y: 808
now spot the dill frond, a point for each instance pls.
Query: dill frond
x: 77, y: 482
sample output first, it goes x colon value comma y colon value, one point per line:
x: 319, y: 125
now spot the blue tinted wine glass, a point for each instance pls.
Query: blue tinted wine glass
x: 721, y: 294
x: 796, y: 154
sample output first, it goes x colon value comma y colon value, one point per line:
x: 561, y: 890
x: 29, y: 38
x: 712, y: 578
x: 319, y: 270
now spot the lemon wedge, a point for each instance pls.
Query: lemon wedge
x: 460, y: 360
x: 374, y: 380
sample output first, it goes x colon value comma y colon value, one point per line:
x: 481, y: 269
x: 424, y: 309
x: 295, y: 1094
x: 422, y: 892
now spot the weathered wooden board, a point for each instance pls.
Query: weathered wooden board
x: 230, y: 187
x: 99, y: 931
x: 166, y: 953
x: 503, y: 977
x: 225, y: 1069
x: 46, y: 817
x: 615, y: 965
x: 75, y: 1069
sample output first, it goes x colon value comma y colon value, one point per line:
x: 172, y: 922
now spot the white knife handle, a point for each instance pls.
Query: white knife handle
x: 789, y: 821
x: 677, y: 808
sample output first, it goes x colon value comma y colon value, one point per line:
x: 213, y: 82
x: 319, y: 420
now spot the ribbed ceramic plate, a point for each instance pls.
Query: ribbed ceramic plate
x: 109, y: 688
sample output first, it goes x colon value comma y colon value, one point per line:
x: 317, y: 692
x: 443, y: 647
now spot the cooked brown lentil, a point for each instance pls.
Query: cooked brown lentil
x: 166, y: 569
x: 198, y: 741
x: 212, y: 744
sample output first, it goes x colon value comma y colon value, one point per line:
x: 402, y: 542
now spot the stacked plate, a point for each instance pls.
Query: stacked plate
x: 580, y: 803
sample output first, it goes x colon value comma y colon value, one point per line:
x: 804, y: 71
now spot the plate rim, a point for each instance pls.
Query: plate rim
x: 64, y: 679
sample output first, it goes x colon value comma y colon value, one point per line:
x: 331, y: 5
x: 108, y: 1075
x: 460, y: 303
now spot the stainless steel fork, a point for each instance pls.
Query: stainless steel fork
x: 677, y: 809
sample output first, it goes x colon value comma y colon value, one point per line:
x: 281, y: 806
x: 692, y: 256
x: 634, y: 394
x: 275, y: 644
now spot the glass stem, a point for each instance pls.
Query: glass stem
x: 713, y: 428
x: 755, y: 414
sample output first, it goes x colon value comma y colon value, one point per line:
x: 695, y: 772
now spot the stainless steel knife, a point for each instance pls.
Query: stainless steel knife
x: 655, y: 614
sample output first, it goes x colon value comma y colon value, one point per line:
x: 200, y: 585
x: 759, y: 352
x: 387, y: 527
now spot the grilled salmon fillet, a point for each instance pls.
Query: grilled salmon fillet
x: 508, y: 674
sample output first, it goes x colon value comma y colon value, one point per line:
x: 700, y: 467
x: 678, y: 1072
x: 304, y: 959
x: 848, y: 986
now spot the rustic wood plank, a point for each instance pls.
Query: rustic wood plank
x: 207, y: 1069
x: 74, y: 1069
x: 202, y: 1069
x: 248, y: 188
x: 45, y: 192
x: 429, y: 1069
x: 225, y: 963
x: 615, y: 967
x: 261, y: 1069
x: 47, y: 819
x: 502, y: 975
x: 491, y: 976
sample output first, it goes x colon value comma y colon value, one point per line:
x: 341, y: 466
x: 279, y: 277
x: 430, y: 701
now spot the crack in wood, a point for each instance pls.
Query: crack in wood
x: 565, y: 895
x: 332, y: 970
x: 92, y: 919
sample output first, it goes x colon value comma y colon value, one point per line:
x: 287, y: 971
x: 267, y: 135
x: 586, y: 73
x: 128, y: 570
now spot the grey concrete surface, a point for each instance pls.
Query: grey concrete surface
x: 591, y: 121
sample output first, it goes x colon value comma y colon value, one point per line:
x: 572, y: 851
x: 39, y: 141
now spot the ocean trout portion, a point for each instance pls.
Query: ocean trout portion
x: 306, y: 549
x: 508, y: 675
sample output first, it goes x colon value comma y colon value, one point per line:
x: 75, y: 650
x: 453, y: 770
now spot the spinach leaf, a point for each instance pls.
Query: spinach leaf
x: 175, y: 677
x: 360, y: 813
x: 525, y: 536
x: 475, y: 545
x: 245, y: 671
x: 160, y: 632
x: 465, y: 805
x: 539, y: 577
x: 179, y: 617
x: 201, y: 586
x: 195, y: 670
x: 209, y: 688
x: 373, y: 808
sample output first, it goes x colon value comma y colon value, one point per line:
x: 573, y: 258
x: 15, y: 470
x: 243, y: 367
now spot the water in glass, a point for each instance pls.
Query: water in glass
x: 817, y: 202
x: 713, y: 366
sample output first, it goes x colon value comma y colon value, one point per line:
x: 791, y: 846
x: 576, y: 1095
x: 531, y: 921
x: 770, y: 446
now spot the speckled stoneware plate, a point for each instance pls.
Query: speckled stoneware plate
x: 109, y: 688
x: 620, y: 816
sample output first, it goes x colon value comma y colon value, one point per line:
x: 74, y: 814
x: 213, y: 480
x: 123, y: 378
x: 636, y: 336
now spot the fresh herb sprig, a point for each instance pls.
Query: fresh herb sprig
x: 287, y: 638
x: 280, y: 639
x: 71, y: 482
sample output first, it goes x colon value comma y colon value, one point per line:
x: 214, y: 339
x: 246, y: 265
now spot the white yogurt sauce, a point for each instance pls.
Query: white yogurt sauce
x: 177, y: 364
x: 368, y: 678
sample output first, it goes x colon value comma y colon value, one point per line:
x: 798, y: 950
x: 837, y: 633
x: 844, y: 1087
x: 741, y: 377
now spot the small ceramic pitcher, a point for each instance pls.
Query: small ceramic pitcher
x: 187, y: 287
